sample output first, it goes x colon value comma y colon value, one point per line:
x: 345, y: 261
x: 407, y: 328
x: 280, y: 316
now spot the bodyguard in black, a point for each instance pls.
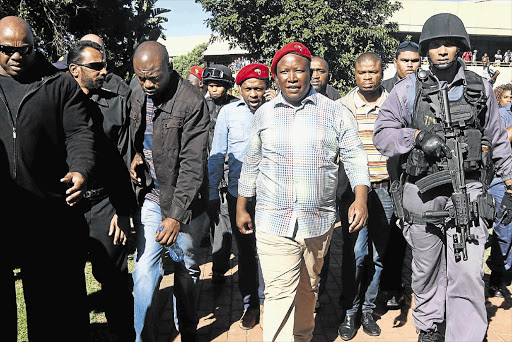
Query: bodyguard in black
x: 47, y: 154
x: 109, y: 197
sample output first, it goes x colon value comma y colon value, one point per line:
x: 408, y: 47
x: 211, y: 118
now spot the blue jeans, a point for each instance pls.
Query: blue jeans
x: 148, y: 273
x: 356, y: 252
x: 501, y: 250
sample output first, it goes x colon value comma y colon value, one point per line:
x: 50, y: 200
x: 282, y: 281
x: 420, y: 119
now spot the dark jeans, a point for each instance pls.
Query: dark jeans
x: 221, y: 237
x: 363, y: 252
x: 110, y: 268
x: 49, y: 246
x: 250, y: 279
x: 397, y: 272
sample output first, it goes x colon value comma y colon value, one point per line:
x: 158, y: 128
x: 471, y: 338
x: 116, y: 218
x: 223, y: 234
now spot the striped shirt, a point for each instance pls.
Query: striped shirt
x: 291, y: 164
x: 154, y: 193
x: 365, y: 115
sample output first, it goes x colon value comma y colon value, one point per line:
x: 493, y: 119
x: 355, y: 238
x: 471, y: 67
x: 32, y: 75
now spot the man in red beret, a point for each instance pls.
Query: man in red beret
x: 195, y: 77
x: 231, y: 134
x: 291, y: 163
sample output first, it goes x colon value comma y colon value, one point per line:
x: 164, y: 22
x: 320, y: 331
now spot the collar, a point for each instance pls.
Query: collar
x: 312, y: 97
x: 100, y: 100
x: 169, y: 93
x: 458, y: 79
x: 359, y: 103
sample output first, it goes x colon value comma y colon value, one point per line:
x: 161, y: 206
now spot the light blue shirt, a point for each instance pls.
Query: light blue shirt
x: 230, y: 139
x: 291, y: 164
x: 506, y: 115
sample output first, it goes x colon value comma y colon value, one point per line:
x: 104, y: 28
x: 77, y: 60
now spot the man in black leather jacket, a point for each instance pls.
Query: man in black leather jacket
x: 47, y: 154
x: 169, y: 122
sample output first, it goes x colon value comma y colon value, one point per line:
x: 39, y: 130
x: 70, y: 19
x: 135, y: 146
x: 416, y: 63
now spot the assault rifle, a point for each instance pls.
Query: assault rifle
x: 464, y: 212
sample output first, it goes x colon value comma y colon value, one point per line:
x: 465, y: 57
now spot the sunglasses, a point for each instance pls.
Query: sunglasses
x: 11, y: 50
x: 98, y: 66
x: 407, y: 43
x: 212, y: 72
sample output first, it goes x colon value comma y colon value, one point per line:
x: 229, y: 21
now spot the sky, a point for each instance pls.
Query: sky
x: 185, y: 19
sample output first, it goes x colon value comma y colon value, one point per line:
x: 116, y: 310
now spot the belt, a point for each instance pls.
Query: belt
x: 95, y: 193
x: 380, y: 184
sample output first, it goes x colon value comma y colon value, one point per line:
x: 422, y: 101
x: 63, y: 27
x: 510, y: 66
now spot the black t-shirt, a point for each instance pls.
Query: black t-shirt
x: 14, y: 92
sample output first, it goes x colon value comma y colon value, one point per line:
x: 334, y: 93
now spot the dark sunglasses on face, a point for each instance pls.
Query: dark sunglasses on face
x: 98, y: 66
x: 11, y: 50
x: 407, y: 43
x: 213, y: 73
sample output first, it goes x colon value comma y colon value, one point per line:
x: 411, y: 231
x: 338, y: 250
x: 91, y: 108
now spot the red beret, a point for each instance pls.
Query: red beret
x: 197, y: 71
x: 293, y: 47
x: 254, y: 70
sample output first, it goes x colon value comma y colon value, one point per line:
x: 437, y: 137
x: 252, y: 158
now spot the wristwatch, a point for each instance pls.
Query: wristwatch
x: 509, y: 187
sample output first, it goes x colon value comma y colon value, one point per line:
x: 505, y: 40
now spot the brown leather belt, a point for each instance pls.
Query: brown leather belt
x: 380, y: 184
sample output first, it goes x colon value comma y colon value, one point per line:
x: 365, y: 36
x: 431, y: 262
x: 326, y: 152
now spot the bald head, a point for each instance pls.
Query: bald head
x: 152, y: 67
x: 15, y: 28
x: 151, y: 50
x: 18, y: 41
x: 93, y: 38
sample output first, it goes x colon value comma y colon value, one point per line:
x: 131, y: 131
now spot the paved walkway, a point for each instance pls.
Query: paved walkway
x: 220, y: 308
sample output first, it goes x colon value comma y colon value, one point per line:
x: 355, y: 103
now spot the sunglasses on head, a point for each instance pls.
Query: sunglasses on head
x: 98, y: 66
x: 11, y: 50
x: 212, y: 72
x: 407, y: 43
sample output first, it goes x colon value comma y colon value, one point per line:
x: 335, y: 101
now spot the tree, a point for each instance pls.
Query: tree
x: 337, y: 30
x: 182, y: 64
x: 122, y: 24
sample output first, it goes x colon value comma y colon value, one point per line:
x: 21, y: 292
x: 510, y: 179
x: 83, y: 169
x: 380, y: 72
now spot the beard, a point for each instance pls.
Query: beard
x: 93, y: 84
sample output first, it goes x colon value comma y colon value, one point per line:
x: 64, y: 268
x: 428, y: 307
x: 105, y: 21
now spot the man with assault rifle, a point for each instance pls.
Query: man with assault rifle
x: 445, y: 124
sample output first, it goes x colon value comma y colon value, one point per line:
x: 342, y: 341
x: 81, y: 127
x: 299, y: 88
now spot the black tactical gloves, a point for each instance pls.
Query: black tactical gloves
x: 432, y: 145
x: 505, y: 209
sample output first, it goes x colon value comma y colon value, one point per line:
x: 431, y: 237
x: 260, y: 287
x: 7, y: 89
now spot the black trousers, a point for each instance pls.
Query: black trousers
x: 397, y: 272
x: 110, y: 268
x: 48, y: 242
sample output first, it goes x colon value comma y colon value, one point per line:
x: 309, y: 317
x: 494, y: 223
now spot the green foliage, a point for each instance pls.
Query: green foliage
x: 122, y: 24
x: 183, y: 63
x: 337, y: 30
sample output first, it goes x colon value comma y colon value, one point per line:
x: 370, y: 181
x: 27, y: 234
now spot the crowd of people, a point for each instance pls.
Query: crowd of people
x: 404, y: 167
x: 499, y: 58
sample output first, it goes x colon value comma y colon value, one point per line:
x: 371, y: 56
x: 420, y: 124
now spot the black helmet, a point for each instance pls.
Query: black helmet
x: 219, y: 73
x: 444, y: 25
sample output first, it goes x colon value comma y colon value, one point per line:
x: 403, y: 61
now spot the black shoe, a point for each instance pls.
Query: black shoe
x: 369, y: 325
x: 429, y: 336
x: 496, y: 291
x: 250, y: 318
x: 347, y: 329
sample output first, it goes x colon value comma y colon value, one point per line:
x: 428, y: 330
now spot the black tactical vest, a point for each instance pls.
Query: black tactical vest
x: 468, y: 117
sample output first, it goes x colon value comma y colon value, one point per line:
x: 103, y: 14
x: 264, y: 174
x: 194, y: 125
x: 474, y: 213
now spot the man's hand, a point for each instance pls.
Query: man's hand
x: 243, y: 219
x: 269, y: 94
x: 169, y: 233
x: 358, y: 211
x: 505, y: 211
x: 77, y: 186
x: 214, y: 210
x: 119, y: 227
x: 432, y: 145
x: 137, y: 161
